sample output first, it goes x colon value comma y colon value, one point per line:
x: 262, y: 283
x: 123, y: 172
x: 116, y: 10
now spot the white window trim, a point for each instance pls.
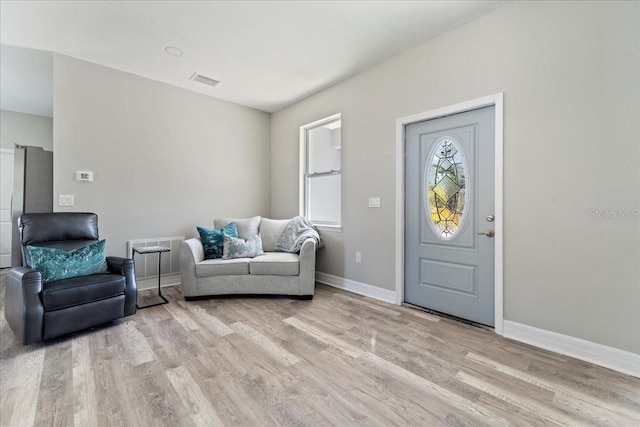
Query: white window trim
x: 332, y: 228
x: 302, y: 172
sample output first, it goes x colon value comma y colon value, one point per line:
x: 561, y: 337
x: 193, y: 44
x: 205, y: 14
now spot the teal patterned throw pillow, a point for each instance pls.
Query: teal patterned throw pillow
x: 240, y: 248
x: 213, y: 240
x: 57, y: 264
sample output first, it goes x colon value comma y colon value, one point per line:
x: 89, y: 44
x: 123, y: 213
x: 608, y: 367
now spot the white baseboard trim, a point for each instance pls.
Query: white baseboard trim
x: 152, y: 282
x: 609, y: 357
x: 356, y: 287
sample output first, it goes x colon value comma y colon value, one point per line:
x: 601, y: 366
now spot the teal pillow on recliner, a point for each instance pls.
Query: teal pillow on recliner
x: 57, y: 264
x: 213, y: 240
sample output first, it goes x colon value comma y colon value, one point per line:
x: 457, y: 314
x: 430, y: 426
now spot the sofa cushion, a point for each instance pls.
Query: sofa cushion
x: 270, y: 232
x: 275, y: 263
x: 241, y: 248
x: 213, y: 240
x: 81, y: 290
x: 222, y: 267
x: 57, y: 264
x: 247, y: 227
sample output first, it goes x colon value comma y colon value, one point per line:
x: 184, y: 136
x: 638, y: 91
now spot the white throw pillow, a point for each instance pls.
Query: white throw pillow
x: 240, y: 248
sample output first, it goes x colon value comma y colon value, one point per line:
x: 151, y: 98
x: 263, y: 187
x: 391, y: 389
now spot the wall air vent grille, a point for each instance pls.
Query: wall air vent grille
x: 203, y: 79
x: 147, y: 265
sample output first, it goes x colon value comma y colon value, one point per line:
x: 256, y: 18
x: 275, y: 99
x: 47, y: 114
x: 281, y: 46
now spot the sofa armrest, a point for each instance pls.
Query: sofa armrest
x: 191, y: 253
x: 23, y: 308
x: 127, y: 268
x: 307, y: 259
x: 196, y: 249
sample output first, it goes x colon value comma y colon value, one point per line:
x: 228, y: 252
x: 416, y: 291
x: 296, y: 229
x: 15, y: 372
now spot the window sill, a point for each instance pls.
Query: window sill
x: 331, y: 228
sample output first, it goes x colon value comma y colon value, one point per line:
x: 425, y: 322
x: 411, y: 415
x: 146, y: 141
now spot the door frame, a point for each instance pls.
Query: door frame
x: 487, y: 101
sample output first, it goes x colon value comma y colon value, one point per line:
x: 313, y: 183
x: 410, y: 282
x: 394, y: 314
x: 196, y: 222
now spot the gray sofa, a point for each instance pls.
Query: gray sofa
x: 273, y: 273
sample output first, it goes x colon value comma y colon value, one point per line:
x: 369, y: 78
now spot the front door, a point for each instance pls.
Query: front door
x: 449, y: 214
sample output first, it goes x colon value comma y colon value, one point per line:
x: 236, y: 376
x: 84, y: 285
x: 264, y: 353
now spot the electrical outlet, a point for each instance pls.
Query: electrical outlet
x: 358, y: 257
x: 374, y: 202
x: 66, y: 200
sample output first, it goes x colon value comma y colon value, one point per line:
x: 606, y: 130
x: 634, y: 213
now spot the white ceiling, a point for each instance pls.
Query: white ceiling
x: 266, y: 54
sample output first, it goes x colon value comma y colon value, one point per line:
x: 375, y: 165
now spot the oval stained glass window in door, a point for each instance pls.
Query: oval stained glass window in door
x: 445, y: 187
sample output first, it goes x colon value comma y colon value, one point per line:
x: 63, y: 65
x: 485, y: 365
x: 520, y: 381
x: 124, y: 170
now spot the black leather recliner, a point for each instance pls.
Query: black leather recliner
x: 38, y: 311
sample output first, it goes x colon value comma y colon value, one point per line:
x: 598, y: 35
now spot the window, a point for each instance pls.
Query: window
x: 445, y: 189
x: 321, y: 171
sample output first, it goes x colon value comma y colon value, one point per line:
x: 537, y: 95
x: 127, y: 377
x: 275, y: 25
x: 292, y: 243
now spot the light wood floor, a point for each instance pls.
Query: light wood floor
x: 340, y: 360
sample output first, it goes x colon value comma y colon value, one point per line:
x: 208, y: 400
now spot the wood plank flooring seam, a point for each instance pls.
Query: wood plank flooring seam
x: 550, y: 414
x: 564, y: 395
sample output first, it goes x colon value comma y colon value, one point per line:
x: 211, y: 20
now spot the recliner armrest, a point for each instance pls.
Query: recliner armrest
x: 23, y: 308
x: 116, y: 265
x: 126, y: 267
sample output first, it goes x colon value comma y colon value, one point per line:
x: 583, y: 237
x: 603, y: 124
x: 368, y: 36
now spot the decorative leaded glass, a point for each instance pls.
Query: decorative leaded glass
x: 445, y: 196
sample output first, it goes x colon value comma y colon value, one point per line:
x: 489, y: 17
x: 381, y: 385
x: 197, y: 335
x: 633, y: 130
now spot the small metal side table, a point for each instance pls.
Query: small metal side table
x: 145, y: 250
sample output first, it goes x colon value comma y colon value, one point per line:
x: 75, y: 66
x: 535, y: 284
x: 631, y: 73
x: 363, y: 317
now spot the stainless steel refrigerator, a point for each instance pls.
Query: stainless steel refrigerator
x: 32, y: 189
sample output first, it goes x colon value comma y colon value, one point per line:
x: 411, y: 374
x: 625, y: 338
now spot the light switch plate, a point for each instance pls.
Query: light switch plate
x: 66, y: 200
x: 374, y: 202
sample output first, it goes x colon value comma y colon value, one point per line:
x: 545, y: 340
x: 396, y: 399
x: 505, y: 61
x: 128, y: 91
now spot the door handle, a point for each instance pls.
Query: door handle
x: 489, y: 233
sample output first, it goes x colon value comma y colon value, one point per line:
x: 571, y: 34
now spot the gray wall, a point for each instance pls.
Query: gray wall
x: 164, y: 159
x: 569, y: 72
x: 25, y: 129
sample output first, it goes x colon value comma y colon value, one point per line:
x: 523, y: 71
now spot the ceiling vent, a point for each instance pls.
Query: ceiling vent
x: 203, y: 79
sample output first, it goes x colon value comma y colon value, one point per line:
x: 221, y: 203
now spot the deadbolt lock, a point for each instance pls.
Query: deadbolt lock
x: 491, y: 218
